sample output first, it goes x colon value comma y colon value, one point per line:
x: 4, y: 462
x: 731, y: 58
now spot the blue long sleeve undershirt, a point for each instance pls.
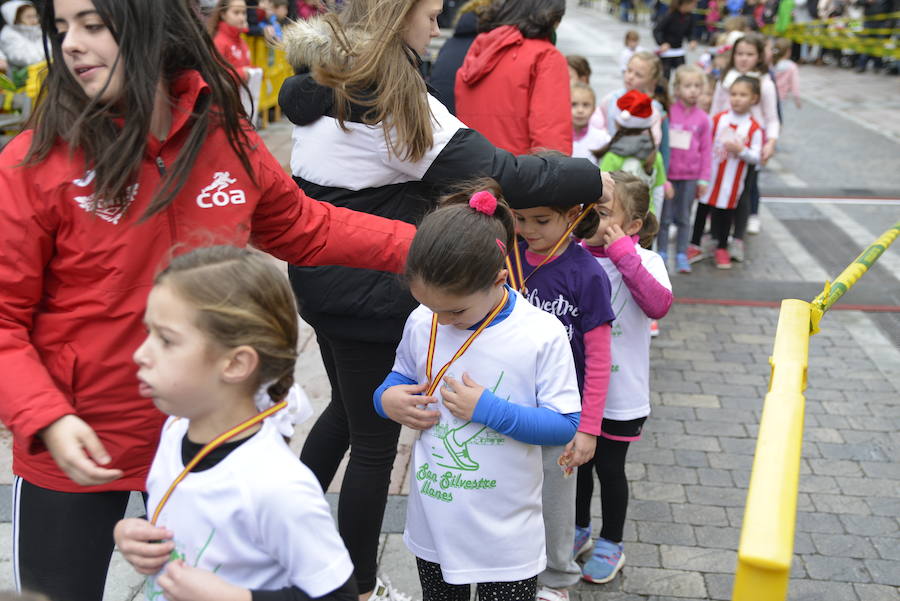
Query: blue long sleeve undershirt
x: 531, y: 425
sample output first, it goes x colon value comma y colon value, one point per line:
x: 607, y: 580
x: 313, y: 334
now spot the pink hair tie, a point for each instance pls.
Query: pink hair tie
x: 484, y: 202
x: 501, y: 245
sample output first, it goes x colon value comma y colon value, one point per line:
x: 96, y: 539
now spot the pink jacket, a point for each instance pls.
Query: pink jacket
x: 690, y: 126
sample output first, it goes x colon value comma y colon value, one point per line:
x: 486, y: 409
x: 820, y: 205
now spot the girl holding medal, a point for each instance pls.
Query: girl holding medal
x: 487, y: 378
x: 234, y: 512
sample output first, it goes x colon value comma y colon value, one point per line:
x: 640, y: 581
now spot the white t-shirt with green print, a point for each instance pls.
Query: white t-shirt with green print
x: 475, y: 495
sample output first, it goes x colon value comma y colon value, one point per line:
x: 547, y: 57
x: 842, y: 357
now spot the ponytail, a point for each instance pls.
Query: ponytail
x: 634, y: 197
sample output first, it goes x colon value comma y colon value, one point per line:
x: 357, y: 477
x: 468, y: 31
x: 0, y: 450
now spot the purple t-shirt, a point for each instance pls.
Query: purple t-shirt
x: 574, y: 288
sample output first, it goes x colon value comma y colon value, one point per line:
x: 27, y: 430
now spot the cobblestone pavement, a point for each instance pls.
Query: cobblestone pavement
x: 710, y: 370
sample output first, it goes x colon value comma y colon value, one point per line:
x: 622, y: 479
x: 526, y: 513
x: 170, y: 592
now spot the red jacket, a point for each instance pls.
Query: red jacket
x: 232, y: 47
x: 73, y: 284
x: 515, y: 91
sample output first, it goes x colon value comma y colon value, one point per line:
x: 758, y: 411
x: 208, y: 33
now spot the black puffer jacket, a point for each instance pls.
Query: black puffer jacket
x: 354, y: 169
x: 450, y: 59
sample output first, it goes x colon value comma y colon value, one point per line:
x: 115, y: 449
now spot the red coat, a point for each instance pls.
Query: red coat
x: 73, y: 285
x: 515, y: 91
x: 232, y: 47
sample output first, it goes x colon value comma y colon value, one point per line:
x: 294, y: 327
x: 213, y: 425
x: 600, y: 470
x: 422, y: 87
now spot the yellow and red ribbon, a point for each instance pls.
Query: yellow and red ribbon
x: 432, y: 342
x: 516, y: 276
x: 210, y: 447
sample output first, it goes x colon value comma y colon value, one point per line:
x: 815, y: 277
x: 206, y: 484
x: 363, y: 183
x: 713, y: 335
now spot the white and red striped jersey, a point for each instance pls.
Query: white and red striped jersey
x: 730, y: 170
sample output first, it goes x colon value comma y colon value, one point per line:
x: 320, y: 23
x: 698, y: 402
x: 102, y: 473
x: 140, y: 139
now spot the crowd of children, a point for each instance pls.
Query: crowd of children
x: 524, y: 367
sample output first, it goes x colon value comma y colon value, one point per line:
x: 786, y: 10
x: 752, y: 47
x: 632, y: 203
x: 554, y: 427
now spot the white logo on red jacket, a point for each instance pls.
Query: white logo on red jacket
x: 102, y: 209
x: 215, y: 194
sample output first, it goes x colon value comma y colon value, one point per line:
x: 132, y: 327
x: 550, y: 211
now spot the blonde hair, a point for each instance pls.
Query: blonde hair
x: 633, y: 195
x: 241, y: 298
x: 735, y: 23
x: 651, y: 59
x: 375, y: 68
x: 782, y: 48
x: 687, y: 71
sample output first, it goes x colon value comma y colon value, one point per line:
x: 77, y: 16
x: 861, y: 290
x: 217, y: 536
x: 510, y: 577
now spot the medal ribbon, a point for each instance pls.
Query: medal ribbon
x: 518, y: 274
x: 210, y: 447
x: 433, y: 382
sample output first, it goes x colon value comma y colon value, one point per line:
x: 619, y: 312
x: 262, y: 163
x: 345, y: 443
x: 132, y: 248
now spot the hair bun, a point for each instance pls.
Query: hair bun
x: 484, y: 202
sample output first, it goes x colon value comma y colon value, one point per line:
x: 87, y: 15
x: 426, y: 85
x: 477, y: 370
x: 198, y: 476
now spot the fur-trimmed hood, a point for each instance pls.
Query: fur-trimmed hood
x: 310, y: 43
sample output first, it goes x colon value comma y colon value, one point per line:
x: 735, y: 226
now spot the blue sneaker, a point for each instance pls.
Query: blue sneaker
x: 682, y: 264
x: 605, y: 562
x: 582, y: 541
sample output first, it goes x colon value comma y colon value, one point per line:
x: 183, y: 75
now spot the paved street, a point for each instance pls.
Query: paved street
x: 690, y: 471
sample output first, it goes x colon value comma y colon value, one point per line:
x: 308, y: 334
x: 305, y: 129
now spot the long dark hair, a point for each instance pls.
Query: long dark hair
x: 458, y: 249
x: 534, y: 18
x: 157, y: 40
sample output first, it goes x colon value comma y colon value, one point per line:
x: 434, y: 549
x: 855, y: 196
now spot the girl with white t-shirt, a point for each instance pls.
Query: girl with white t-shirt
x: 486, y: 377
x: 234, y: 512
x: 640, y: 292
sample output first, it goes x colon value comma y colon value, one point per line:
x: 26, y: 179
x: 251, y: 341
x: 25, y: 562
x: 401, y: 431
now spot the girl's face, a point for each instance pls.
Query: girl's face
x: 705, y: 100
x: 421, y: 24
x: 178, y: 366
x: 582, y: 108
x: 89, y: 49
x: 742, y: 97
x: 28, y: 16
x: 639, y: 76
x: 542, y: 227
x: 462, y: 311
x: 689, y: 89
x: 236, y: 14
x: 746, y: 57
x: 613, y: 213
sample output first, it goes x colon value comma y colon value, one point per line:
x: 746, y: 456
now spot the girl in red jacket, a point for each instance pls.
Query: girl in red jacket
x: 226, y: 24
x: 514, y: 84
x: 140, y: 146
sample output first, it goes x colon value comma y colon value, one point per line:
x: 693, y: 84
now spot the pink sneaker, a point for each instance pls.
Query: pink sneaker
x: 694, y: 253
x: 723, y: 258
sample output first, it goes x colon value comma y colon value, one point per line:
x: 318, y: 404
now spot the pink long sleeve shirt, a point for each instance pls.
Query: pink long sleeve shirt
x: 690, y: 140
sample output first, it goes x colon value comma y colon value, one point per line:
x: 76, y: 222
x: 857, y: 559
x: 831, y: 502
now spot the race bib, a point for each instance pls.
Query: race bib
x: 680, y: 139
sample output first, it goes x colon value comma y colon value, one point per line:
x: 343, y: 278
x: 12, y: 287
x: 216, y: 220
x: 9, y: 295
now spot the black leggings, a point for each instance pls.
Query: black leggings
x: 609, y: 462
x: 434, y: 588
x: 355, y: 369
x: 720, y: 226
x: 62, y: 542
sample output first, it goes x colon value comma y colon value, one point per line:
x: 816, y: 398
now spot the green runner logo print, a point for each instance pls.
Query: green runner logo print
x: 454, y: 453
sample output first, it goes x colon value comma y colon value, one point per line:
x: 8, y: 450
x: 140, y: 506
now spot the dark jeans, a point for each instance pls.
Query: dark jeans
x: 355, y: 369
x: 670, y: 63
x: 62, y: 542
x: 748, y: 204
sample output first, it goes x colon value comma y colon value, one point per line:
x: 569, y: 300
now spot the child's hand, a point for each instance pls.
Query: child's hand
x: 579, y: 451
x: 734, y: 146
x: 181, y: 582
x: 668, y: 190
x: 613, y: 233
x: 460, y: 398
x: 701, y: 190
x: 145, y: 546
x: 665, y: 47
x: 400, y: 404
x: 768, y: 150
x: 609, y: 187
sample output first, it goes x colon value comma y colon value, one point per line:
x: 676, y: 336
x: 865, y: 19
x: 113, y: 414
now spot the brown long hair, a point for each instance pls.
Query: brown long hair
x: 157, y: 40
x: 456, y: 247
x: 756, y: 40
x: 375, y: 68
x: 241, y: 298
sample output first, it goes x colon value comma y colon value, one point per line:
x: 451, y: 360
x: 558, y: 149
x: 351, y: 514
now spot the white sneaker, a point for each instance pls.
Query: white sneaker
x: 545, y: 593
x: 753, y: 224
x: 736, y: 248
x: 383, y: 591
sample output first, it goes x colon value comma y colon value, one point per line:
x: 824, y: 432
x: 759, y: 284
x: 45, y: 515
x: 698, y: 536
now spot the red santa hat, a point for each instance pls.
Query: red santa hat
x: 636, y: 110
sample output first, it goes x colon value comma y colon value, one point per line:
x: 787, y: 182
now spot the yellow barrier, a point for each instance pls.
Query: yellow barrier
x: 273, y: 62
x: 767, y: 535
x: 767, y: 538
